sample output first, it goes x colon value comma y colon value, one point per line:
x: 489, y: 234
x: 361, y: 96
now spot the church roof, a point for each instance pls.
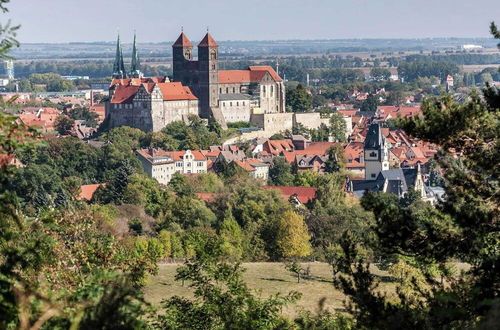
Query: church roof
x: 374, y: 137
x: 253, y: 74
x: 208, y: 41
x: 182, y: 41
x: 266, y: 68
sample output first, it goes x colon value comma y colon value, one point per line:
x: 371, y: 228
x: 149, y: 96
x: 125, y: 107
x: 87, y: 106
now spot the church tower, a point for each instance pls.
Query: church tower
x: 376, y: 152
x: 118, y: 66
x: 135, y: 69
x: 208, y: 68
x: 182, y: 51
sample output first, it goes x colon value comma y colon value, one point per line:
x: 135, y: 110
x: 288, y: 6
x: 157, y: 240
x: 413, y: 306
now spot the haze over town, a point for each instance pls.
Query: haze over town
x: 158, y: 21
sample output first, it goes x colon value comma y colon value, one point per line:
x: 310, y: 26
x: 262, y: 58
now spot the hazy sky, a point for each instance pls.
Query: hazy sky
x: 161, y: 20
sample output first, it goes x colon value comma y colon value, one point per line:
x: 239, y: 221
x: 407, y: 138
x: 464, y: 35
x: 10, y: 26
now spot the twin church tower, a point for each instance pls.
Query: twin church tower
x: 200, y: 75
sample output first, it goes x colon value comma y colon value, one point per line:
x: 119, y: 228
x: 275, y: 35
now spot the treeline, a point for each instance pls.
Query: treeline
x: 413, y: 70
x: 459, y: 59
x: 96, y: 69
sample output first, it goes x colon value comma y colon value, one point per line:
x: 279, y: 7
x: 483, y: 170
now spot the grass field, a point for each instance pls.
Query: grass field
x: 266, y: 279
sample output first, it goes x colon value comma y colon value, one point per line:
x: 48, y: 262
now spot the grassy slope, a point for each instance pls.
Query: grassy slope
x: 268, y: 279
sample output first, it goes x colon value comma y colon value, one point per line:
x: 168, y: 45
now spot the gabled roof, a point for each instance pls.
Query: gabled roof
x: 171, y: 91
x: 208, y: 41
x: 182, y: 41
x: 303, y: 194
x: 266, y: 68
x: 88, y: 190
x: 254, y: 73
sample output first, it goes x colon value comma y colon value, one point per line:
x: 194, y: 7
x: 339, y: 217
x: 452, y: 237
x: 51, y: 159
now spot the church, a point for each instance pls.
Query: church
x: 197, y: 87
x: 378, y: 176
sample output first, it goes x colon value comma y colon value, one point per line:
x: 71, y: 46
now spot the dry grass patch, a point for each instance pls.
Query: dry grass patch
x: 266, y: 279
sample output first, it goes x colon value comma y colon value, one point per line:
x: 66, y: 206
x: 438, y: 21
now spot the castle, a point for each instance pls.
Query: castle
x: 198, y: 87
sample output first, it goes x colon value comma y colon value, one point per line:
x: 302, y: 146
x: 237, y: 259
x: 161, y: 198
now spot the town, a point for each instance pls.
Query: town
x: 219, y: 182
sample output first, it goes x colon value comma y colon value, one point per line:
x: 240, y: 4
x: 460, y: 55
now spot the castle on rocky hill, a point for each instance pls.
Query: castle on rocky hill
x: 198, y: 87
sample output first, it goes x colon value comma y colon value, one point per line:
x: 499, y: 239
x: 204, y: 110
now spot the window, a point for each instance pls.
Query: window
x: 220, y: 90
x: 230, y: 104
x: 373, y: 154
x: 373, y: 175
x: 188, y: 165
x: 234, y: 90
x: 200, y: 163
x: 237, y: 104
x: 227, y: 90
x: 178, y: 164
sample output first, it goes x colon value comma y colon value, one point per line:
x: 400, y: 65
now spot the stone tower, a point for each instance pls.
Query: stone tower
x: 376, y: 152
x: 118, y: 66
x: 183, y: 64
x: 208, y: 71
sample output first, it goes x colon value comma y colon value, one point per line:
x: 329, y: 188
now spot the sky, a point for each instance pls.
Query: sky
x: 50, y: 21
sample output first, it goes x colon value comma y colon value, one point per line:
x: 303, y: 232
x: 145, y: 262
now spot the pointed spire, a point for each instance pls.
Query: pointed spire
x: 118, y: 66
x: 208, y: 41
x: 182, y: 41
x: 135, y: 69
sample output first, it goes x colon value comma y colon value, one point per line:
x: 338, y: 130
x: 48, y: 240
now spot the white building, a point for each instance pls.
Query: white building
x: 162, y: 165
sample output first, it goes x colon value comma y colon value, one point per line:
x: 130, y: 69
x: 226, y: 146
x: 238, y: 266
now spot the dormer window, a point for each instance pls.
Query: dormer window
x: 373, y: 154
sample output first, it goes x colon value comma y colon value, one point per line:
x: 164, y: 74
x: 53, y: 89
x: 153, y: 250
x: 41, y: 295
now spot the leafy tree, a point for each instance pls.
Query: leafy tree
x: 222, y: 299
x: 336, y: 160
x: 232, y: 237
x: 63, y: 124
x: 280, y: 174
x: 370, y: 104
x: 318, y: 101
x: 292, y: 238
x: 295, y: 268
x: 463, y: 226
x: 90, y: 118
x: 337, y: 128
x: 380, y: 74
x: 299, y: 99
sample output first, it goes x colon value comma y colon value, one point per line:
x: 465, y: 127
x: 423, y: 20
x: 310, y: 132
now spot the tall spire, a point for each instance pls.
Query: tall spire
x: 135, y: 70
x: 118, y: 66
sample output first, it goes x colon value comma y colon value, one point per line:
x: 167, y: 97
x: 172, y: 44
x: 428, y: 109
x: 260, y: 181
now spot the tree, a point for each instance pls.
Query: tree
x: 336, y: 161
x: 337, y: 128
x: 380, y: 74
x: 463, y: 226
x: 232, y: 237
x: 295, y: 268
x: 280, y: 174
x: 370, y: 104
x: 292, y: 238
x: 318, y: 101
x: 64, y: 125
x: 299, y: 99
x: 222, y: 299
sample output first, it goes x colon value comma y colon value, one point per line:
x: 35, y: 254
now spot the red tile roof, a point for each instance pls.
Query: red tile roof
x: 88, y: 190
x: 304, y: 194
x: 182, y: 41
x: 171, y: 91
x: 175, y: 91
x: 266, y: 68
x: 208, y: 41
x: 207, y: 197
x: 253, y: 74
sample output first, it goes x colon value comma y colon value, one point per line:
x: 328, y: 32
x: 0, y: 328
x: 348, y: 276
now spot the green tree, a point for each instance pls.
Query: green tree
x: 370, y: 104
x: 464, y: 226
x: 63, y: 124
x: 231, y: 236
x: 222, y: 299
x: 299, y: 99
x: 337, y: 128
x: 280, y: 174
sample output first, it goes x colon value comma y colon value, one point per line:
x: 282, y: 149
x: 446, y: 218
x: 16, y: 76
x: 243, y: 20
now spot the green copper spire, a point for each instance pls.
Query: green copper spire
x: 118, y: 66
x: 135, y: 70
